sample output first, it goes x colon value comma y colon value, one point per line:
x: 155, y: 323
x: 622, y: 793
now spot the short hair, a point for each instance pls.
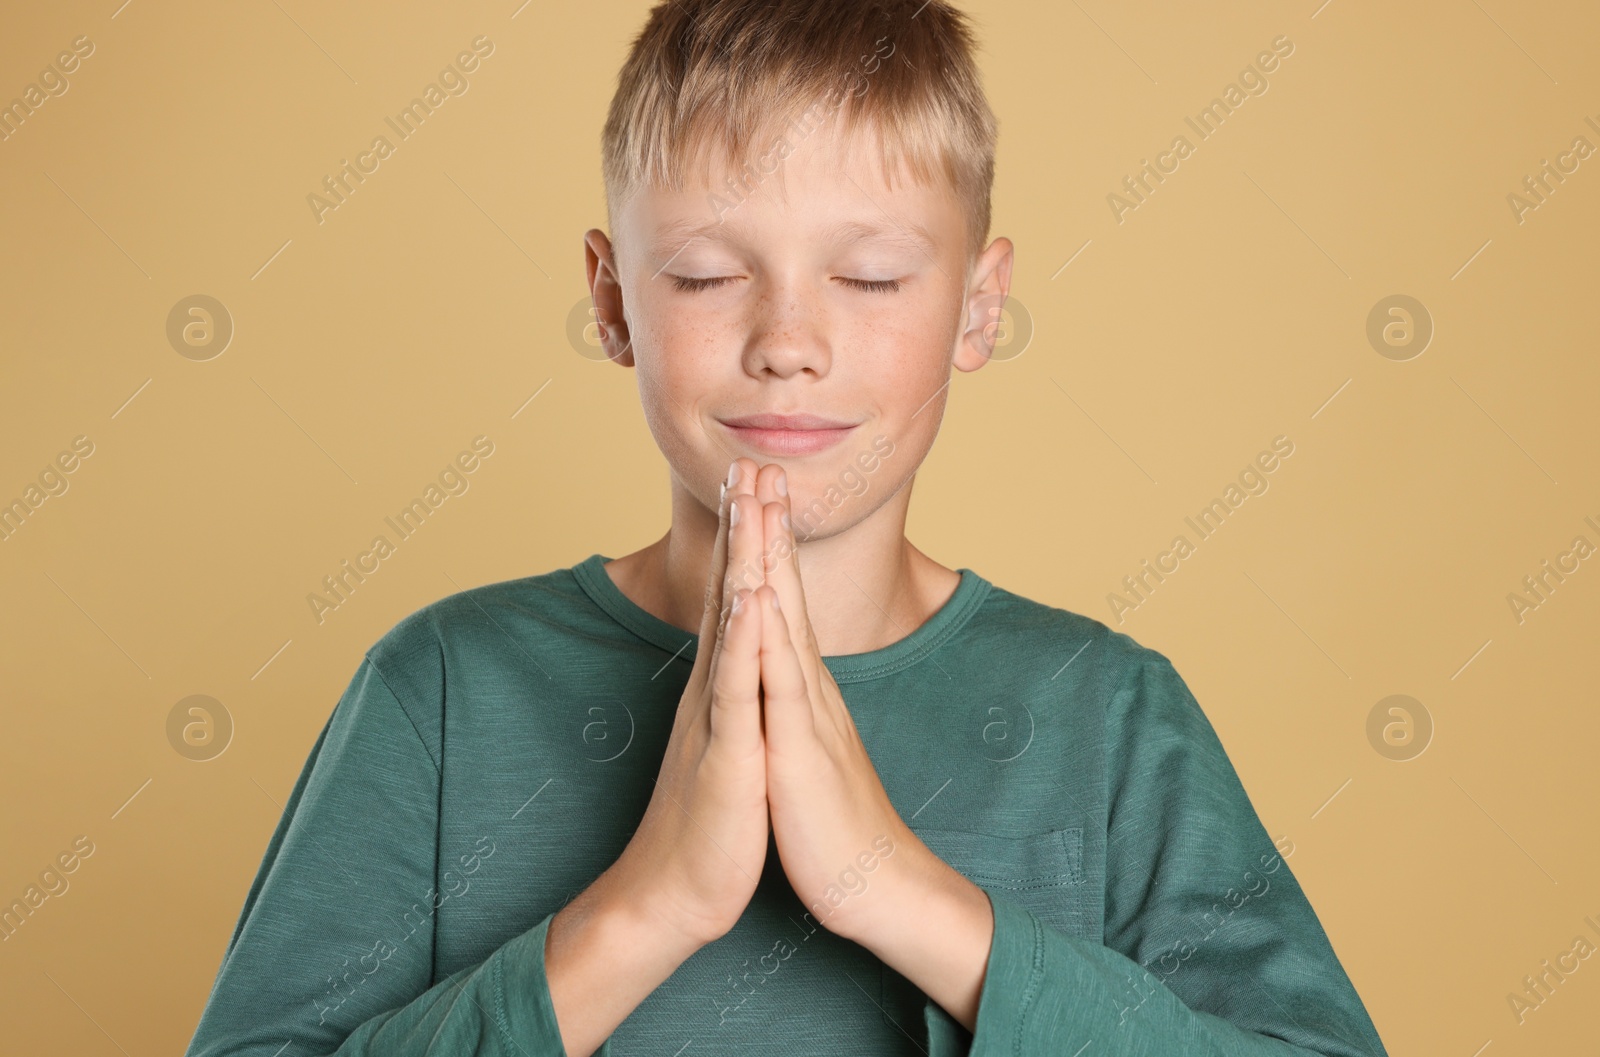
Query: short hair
x: 748, y: 78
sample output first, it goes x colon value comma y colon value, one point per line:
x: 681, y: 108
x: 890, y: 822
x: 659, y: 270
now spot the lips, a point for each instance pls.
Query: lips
x: 797, y: 434
x: 800, y: 421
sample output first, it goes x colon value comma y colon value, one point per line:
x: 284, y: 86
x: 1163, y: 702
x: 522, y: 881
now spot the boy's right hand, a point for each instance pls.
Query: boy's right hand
x: 697, y: 854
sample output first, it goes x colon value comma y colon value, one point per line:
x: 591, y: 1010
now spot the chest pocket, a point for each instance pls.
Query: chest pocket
x: 1043, y: 872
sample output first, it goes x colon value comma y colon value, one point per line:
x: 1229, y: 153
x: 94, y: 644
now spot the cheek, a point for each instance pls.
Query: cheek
x: 675, y: 356
x: 678, y: 368
x: 913, y: 355
x: 927, y: 330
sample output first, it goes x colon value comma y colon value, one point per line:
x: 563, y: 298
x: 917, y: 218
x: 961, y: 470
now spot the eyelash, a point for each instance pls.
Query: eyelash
x: 886, y: 286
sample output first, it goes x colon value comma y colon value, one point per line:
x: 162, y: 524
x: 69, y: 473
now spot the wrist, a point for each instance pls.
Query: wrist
x: 651, y: 915
x: 938, y: 932
x: 921, y: 893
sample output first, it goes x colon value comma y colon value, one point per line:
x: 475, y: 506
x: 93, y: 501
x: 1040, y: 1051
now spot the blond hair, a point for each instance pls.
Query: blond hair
x: 748, y: 78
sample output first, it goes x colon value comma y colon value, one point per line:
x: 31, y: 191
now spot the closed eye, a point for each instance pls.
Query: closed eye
x: 685, y: 283
x: 887, y: 286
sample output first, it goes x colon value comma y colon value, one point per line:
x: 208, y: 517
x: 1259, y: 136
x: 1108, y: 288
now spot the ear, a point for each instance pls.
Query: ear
x: 981, y: 319
x: 605, y: 291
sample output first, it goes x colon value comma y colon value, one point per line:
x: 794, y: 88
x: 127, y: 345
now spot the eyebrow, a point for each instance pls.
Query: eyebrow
x: 672, y: 238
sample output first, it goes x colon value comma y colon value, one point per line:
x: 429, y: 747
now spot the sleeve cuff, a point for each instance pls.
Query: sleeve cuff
x: 523, y: 1011
x: 1011, y: 981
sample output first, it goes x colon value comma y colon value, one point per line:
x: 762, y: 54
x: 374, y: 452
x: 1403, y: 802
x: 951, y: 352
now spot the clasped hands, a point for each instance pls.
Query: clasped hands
x: 837, y: 833
x: 762, y: 735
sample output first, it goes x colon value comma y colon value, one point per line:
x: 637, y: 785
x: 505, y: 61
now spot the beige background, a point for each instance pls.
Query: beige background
x: 1227, y: 309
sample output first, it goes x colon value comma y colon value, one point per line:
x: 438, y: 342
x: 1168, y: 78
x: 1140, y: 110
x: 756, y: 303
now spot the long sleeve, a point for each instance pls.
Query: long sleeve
x: 1211, y: 947
x: 334, y: 952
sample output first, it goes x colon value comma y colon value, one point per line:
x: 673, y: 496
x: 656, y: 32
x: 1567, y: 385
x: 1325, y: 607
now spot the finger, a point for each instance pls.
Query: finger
x: 711, y: 618
x: 787, y: 707
x: 770, y: 489
x: 736, y: 675
x: 783, y: 570
x: 742, y: 568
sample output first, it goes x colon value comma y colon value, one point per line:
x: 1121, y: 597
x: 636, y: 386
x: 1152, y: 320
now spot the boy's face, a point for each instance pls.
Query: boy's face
x: 810, y: 296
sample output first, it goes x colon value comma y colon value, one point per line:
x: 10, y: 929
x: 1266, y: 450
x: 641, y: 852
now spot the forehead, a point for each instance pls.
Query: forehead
x: 822, y: 185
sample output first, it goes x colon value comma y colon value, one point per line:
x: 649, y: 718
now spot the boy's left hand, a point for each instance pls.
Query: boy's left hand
x: 846, y: 851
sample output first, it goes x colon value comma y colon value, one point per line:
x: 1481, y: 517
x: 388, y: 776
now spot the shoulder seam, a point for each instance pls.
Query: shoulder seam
x: 404, y: 709
x: 1139, y: 659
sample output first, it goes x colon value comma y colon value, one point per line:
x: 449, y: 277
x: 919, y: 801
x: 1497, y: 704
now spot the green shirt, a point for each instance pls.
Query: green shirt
x: 495, y: 751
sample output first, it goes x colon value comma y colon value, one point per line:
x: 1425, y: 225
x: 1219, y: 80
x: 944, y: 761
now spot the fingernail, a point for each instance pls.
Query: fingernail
x: 784, y: 517
x: 775, y: 601
x: 783, y: 483
x: 737, y: 604
x: 733, y: 514
x: 733, y: 473
x: 722, y: 494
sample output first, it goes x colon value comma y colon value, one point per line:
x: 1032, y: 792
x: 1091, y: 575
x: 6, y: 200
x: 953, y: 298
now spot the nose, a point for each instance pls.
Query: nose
x: 789, y: 333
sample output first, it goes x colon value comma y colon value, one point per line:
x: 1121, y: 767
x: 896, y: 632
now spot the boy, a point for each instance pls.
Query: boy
x: 872, y: 805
